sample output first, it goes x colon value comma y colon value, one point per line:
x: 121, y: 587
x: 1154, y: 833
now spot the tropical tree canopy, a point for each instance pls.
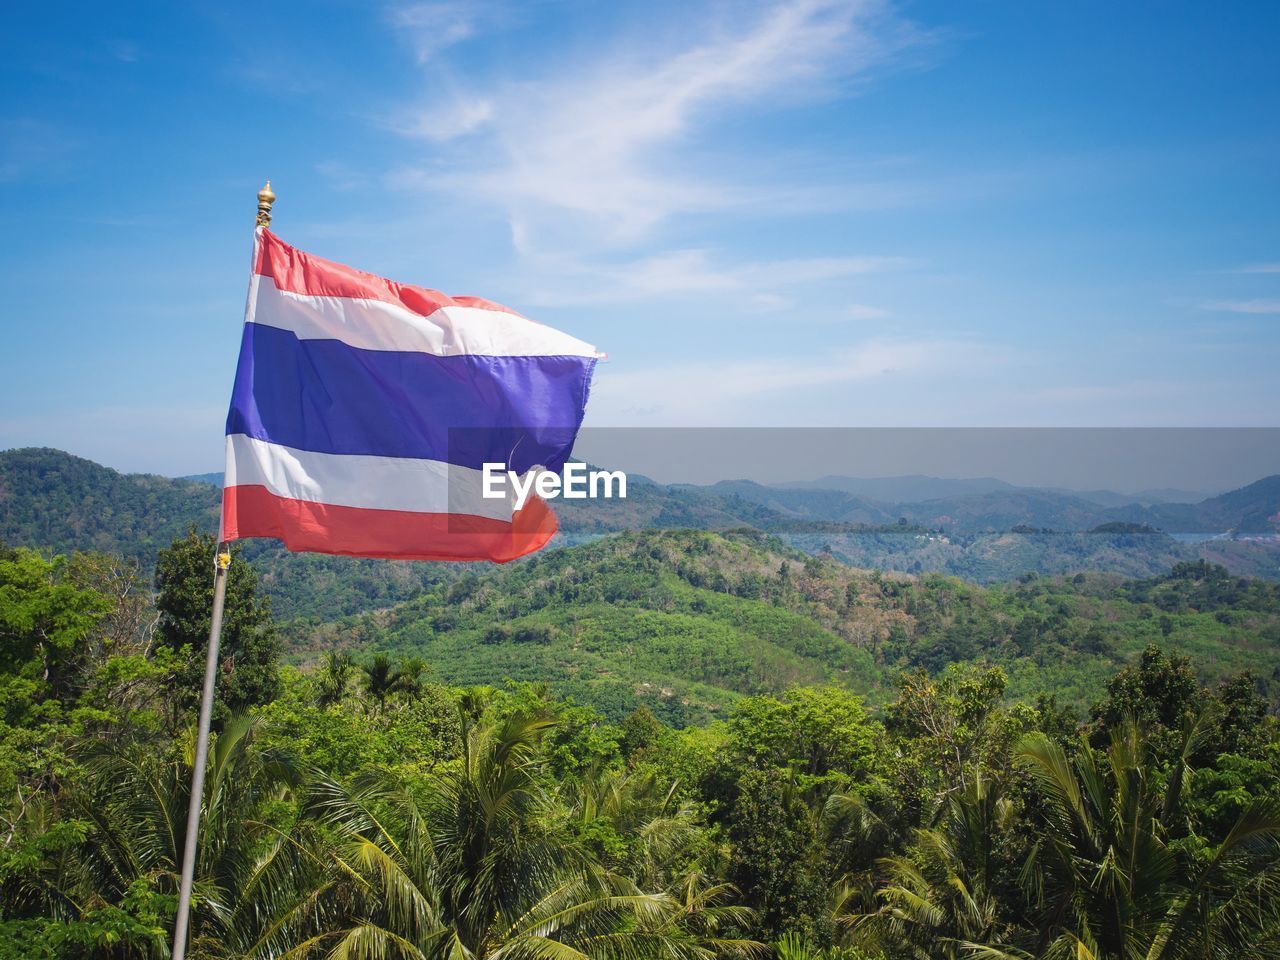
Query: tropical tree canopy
x: 355, y: 809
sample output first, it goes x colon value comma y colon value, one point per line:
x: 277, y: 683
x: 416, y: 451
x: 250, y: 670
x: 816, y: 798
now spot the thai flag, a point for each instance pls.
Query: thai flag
x: 364, y: 410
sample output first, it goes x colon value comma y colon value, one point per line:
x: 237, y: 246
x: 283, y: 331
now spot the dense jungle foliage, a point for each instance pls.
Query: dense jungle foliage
x: 688, y: 622
x: 362, y: 808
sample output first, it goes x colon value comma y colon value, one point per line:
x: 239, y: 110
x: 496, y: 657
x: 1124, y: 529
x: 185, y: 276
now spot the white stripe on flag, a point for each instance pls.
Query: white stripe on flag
x: 377, y: 483
x: 378, y: 325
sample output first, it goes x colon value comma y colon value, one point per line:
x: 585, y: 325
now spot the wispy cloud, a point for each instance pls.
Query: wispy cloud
x: 590, y: 159
x: 276, y: 77
x: 1258, y: 268
x: 602, y: 142
x: 1242, y: 306
x: 126, y: 51
x: 566, y: 279
x: 458, y: 115
x: 434, y: 27
x: 728, y: 392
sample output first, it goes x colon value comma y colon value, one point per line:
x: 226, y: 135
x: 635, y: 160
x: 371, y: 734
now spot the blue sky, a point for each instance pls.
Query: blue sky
x: 769, y: 214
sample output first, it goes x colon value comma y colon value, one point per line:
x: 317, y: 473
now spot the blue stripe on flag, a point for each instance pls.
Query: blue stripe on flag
x: 468, y: 410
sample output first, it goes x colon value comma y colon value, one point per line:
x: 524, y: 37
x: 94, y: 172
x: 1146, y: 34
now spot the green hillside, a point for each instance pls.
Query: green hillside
x: 688, y: 622
x: 58, y: 501
x: 53, y: 500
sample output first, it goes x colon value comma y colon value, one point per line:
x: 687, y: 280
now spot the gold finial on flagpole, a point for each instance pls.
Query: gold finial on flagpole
x: 265, y: 199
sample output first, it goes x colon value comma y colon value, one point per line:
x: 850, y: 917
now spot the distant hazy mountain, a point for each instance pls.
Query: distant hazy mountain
x: 1006, y: 509
x: 907, y: 489
x: 806, y: 503
x: 1254, y: 509
x: 1146, y: 498
x: 1000, y: 509
x: 988, y: 505
x: 979, y: 504
x: 1172, y: 495
x: 992, y: 529
x: 915, y: 488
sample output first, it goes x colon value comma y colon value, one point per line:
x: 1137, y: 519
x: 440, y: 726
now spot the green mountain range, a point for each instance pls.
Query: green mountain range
x: 58, y: 501
x: 689, y: 620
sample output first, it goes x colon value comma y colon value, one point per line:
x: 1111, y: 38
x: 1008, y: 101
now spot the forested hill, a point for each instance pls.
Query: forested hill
x: 687, y: 622
x: 53, y: 500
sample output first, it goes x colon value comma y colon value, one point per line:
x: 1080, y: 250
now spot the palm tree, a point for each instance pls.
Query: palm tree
x: 382, y: 678
x: 335, y: 671
x: 1113, y: 887
x: 410, y: 673
x: 379, y: 679
x: 254, y: 885
x: 479, y: 866
x: 945, y: 893
x: 792, y: 946
x: 706, y: 912
x: 663, y: 847
x: 655, y: 834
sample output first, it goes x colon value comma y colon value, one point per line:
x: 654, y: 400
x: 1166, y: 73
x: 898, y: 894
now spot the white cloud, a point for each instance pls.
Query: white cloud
x: 434, y: 27
x: 1258, y: 268
x: 126, y: 51
x: 455, y: 118
x: 1242, y: 306
x: 565, y: 280
x: 602, y: 142
x: 745, y: 392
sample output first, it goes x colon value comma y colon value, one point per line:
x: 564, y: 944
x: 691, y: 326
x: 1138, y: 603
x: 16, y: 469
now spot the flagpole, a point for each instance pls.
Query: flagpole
x: 202, y: 756
x: 265, y: 199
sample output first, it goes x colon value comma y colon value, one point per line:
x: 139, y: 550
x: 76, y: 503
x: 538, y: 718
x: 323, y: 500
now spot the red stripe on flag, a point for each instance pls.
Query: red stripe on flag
x: 301, y: 273
x: 254, y: 511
